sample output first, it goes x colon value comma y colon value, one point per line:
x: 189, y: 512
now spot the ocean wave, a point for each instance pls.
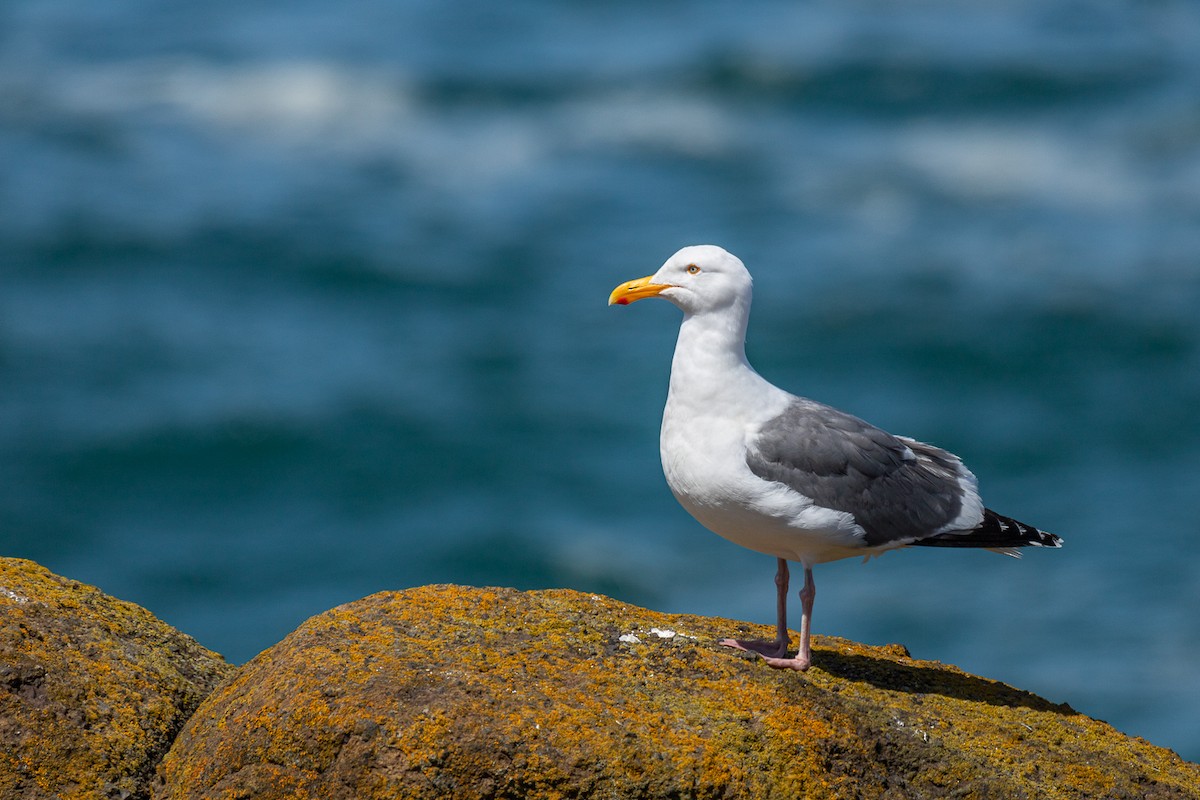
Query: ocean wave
x: 176, y: 144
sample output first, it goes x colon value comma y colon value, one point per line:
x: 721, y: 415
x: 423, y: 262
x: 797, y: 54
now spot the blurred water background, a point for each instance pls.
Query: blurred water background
x: 303, y: 301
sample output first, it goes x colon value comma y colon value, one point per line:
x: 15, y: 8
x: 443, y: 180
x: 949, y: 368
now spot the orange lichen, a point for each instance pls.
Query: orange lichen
x: 484, y: 693
x: 93, y: 688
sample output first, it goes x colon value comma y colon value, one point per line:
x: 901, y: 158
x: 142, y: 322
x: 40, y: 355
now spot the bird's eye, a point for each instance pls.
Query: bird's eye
x: 692, y: 269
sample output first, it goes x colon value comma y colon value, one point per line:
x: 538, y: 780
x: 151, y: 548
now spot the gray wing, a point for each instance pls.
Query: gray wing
x: 896, y: 489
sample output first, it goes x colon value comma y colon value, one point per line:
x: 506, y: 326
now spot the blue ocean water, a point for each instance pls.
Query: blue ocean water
x: 300, y: 302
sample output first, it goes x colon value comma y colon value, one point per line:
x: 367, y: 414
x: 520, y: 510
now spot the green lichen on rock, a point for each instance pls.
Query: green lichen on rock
x: 92, y: 689
x: 492, y: 693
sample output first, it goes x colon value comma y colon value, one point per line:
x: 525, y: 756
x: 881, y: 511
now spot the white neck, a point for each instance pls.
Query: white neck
x: 710, y: 360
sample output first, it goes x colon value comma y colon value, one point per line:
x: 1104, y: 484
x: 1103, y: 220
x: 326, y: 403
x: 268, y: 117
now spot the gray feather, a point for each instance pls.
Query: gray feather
x: 896, y: 489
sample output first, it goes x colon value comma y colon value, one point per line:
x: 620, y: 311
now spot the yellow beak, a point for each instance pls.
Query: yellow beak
x: 631, y: 291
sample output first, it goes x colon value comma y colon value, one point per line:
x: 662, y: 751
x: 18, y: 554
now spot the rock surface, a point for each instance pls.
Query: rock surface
x: 92, y: 689
x: 493, y: 693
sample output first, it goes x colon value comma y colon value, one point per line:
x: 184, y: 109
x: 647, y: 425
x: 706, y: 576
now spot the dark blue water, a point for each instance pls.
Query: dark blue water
x: 301, y: 301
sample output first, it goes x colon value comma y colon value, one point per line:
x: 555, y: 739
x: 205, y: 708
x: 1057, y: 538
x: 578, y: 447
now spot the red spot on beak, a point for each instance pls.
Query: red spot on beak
x: 624, y: 301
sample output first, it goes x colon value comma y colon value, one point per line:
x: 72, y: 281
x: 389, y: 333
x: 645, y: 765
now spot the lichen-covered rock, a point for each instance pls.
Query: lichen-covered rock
x: 92, y: 689
x: 492, y: 693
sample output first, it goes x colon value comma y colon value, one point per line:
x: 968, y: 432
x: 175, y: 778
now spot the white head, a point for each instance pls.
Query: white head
x: 699, y: 279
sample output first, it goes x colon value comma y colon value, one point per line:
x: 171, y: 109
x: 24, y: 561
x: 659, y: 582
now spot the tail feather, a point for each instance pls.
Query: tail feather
x: 996, y: 532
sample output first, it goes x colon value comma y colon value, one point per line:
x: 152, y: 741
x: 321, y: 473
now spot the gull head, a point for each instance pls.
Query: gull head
x: 699, y: 279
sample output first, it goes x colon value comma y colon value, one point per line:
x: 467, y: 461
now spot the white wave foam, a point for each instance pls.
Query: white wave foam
x: 301, y: 98
x: 332, y: 106
x: 1030, y: 163
x: 297, y: 100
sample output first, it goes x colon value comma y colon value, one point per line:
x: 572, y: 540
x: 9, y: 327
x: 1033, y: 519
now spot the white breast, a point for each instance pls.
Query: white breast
x: 703, y: 447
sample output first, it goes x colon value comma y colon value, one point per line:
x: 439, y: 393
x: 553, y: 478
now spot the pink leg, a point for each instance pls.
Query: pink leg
x: 804, y: 658
x: 778, y: 648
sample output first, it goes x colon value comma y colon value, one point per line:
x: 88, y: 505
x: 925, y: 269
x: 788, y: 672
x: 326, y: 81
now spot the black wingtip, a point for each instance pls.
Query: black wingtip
x: 997, y: 532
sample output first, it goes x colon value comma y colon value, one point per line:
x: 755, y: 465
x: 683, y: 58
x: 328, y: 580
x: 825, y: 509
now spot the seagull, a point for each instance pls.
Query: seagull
x: 788, y: 476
